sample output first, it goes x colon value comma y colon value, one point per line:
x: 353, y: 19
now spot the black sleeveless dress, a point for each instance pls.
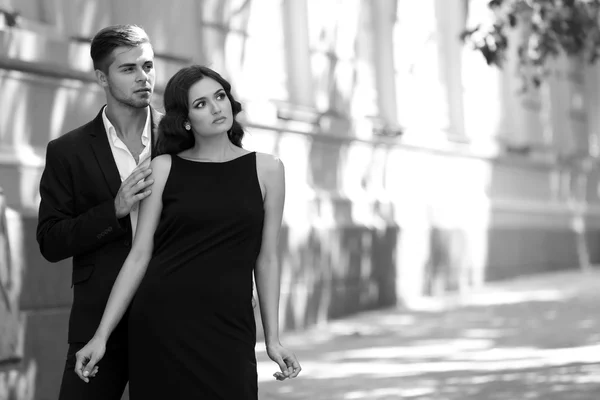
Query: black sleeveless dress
x: 192, y: 332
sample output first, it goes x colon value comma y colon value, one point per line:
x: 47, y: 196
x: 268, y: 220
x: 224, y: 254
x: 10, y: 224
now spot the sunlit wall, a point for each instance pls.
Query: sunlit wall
x: 412, y: 167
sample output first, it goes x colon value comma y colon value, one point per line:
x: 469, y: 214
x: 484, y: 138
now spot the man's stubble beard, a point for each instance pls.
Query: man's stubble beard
x: 130, y: 102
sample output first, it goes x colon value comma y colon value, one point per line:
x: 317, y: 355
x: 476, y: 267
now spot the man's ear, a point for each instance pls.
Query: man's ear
x: 101, y: 78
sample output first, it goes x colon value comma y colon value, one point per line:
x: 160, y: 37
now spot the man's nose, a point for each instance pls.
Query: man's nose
x: 141, y: 75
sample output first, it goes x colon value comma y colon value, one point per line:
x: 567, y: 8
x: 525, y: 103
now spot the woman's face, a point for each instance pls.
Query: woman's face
x: 209, y: 108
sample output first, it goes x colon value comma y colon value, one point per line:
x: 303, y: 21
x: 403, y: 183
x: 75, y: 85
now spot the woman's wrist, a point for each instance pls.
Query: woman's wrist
x: 273, y: 341
x: 101, y: 334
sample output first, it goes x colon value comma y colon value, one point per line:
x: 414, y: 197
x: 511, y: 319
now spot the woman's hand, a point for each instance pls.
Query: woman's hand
x: 88, y: 357
x: 287, y: 361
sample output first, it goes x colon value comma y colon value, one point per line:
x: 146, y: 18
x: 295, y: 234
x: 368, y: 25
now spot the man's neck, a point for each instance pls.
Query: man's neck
x: 128, y: 121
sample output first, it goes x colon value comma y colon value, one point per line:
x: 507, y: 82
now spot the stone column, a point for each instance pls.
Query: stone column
x: 592, y: 106
x: 450, y: 17
x: 384, y: 17
x: 295, y: 30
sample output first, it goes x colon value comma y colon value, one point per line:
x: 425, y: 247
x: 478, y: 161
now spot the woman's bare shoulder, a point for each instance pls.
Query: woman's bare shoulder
x: 163, y: 161
x: 161, y: 165
x: 268, y: 163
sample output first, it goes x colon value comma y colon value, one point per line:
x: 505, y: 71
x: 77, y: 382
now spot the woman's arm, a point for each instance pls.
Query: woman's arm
x: 132, y: 271
x: 271, y: 175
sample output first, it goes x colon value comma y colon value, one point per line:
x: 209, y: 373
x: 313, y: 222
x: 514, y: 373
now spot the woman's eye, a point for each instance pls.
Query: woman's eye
x: 221, y: 96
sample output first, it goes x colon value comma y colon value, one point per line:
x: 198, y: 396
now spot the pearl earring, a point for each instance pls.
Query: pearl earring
x: 187, y: 126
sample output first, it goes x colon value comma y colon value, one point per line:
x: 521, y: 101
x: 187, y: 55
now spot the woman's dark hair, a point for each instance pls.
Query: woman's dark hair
x: 172, y: 136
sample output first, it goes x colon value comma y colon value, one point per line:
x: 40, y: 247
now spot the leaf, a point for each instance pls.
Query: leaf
x: 553, y: 27
x: 467, y: 33
x: 495, y: 3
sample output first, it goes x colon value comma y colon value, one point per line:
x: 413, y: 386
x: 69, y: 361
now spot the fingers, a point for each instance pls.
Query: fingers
x: 141, y: 185
x: 281, y: 364
x: 145, y: 163
x: 137, y: 185
x: 287, y: 361
x: 142, y: 196
x: 279, y: 376
x: 141, y: 166
x: 293, y: 366
x: 136, y: 176
x: 85, y: 367
x: 81, y: 361
x: 285, y: 371
x: 290, y: 367
x: 89, y: 368
x: 132, y: 190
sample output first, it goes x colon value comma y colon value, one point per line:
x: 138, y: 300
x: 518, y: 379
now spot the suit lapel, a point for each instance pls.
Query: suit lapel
x: 155, y: 117
x: 104, y: 155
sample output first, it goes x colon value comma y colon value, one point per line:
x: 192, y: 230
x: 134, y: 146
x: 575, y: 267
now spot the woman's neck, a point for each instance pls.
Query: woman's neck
x: 216, y: 149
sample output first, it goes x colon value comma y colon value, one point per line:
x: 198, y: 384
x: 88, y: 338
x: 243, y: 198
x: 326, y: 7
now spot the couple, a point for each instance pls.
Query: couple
x: 204, y: 215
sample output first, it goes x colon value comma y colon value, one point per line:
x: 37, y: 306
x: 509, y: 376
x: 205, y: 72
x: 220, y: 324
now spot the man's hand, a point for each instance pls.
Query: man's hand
x: 133, y: 189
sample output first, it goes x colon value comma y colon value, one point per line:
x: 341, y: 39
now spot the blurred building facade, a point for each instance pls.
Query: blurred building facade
x: 412, y: 168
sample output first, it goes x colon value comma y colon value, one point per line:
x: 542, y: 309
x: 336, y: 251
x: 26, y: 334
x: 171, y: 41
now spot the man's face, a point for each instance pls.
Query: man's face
x: 130, y: 78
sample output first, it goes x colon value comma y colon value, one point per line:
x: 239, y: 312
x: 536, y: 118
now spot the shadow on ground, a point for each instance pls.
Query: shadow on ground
x: 532, y: 338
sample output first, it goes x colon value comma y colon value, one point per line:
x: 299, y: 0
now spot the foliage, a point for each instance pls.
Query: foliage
x: 549, y: 28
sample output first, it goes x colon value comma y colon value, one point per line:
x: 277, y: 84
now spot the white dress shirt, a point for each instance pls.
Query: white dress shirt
x: 124, y: 159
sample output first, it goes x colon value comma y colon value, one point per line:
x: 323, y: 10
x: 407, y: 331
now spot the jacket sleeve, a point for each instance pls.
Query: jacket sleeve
x: 60, y: 232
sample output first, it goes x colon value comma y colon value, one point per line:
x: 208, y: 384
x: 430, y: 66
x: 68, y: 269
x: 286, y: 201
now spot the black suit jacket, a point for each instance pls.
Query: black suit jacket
x: 77, y: 219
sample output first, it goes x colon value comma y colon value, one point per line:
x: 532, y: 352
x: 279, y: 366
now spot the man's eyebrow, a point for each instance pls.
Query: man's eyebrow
x: 134, y: 64
x: 127, y: 65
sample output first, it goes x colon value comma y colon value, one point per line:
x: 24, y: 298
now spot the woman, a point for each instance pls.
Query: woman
x: 211, y: 220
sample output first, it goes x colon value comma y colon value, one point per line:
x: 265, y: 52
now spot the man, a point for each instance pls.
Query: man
x: 90, y: 189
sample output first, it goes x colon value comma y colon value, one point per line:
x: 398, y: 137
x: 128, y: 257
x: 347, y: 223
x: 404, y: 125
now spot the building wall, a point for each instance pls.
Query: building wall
x: 412, y: 168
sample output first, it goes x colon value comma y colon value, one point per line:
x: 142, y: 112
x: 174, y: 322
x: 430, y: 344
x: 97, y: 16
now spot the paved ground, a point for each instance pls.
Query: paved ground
x: 533, y: 338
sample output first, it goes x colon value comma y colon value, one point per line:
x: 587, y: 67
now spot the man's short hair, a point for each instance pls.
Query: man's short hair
x: 109, y: 38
